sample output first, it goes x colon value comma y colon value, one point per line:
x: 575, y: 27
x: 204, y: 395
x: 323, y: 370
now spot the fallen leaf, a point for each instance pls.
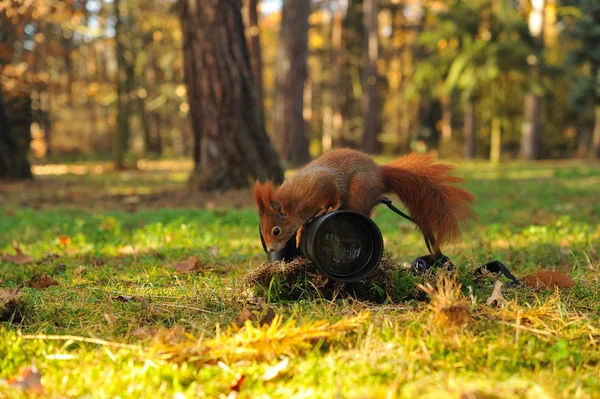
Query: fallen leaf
x: 124, y: 298
x: 496, y: 296
x: 143, y: 333
x: 245, y: 314
x: 1, y: 280
x: 30, y: 381
x: 274, y: 371
x: 42, y: 282
x: 191, y: 264
x: 19, y: 259
x: 64, y: 241
x: 97, y: 262
x: 542, y: 280
x: 267, y: 319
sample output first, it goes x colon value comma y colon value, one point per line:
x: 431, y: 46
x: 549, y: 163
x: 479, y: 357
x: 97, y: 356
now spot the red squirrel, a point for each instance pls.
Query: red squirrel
x: 350, y: 179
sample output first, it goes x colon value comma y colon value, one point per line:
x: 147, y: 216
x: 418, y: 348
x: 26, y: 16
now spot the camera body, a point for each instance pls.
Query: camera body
x: 345, y: 246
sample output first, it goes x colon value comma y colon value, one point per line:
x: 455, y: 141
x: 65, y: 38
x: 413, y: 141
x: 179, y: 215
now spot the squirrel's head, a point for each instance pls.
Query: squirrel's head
x: 276, y: 227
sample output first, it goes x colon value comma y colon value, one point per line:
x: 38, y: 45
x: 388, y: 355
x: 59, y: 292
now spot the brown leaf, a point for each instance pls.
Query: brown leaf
x: 191, y: 264
x: 97, y: 262
x: 244, y: 315
x: 10, y: 304
x: 267, y: 319
x: 30, y: 381
x: 542, y: 280
x: 41, y: 282
x: 124, y: 298
x: 19, y: 259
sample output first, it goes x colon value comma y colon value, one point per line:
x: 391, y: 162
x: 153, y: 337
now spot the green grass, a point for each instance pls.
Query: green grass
x: 532, y: 217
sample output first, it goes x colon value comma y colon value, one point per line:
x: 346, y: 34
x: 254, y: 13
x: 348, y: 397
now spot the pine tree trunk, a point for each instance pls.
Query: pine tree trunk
x: 496, y: 141
x: 122, y: 104
x: 446, y: 103
x: 336, y: 74
x: 254, y: 50
x: 15, y: 135
x: 291, y: 72
x: 596, y: 134
x: 531, y: 134
x: 369, y: 100
x: 532, y: 127
x: 469, y: 128
x: 231, y: 147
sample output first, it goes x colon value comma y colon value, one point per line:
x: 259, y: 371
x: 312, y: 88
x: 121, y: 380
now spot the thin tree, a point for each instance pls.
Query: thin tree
x: 369, y: 99
x: 231, y: 147
x: 122, y: 104
x: 531, y: 135
x: 289, y: 132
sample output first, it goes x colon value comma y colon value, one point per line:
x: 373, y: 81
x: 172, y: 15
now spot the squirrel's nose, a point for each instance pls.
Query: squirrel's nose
x: 271, y: 250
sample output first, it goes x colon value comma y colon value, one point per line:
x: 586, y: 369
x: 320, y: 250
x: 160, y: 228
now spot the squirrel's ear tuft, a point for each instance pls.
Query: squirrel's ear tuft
x: 258, y: 197
x: 276, y: 205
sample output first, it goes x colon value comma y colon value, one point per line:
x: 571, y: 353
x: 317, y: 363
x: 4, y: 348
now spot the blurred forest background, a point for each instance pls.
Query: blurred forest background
x: 246, y: 89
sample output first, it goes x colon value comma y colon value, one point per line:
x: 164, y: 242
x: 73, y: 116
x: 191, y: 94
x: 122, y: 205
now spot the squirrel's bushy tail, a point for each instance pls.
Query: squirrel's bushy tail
x: 424, y: 187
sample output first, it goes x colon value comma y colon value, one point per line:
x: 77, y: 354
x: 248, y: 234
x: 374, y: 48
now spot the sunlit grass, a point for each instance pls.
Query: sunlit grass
x: 116, y: 282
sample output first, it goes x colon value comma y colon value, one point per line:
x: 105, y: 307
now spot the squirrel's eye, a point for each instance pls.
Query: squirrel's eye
x: 276, y: 231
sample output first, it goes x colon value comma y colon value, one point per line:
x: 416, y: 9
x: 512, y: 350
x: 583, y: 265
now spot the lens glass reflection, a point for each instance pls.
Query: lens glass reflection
x: 343, y: 245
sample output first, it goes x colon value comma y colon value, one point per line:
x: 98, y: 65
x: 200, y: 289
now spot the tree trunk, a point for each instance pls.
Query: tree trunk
x: 291, y: 72
x: 156, y: 142
x: 532, y: 127
x: 369, y: 96
x: 122, y: 134
x: 253, y: 33
x: 496, y: 141
x: 596, y: 134
x: 446, y: 103
x: 469, y: 128
x: 336, y: 74
x: 231, y: 147
x: 531, y: 134
x: 15, y: 135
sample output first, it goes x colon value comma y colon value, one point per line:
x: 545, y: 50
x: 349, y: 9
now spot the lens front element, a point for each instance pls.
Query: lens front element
x: 345, y: 245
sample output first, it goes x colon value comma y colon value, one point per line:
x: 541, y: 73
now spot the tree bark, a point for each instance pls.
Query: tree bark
x: 231, y: 147
x: 336, y: 73
x: 253, y: 33
x: 496, y: 141
x: 596, y: 134
x: 532, y: 127
x: 469, y: 128
x: 122, y: 104
x: 369, y: 96
x: 531, y: 134
x: 291, y: 72
x: 15, y: 135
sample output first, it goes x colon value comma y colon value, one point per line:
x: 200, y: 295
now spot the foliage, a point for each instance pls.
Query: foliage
x: 584, y: 27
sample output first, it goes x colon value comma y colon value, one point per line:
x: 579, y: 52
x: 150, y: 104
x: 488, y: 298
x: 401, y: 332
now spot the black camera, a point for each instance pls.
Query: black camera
x: 346, y: 246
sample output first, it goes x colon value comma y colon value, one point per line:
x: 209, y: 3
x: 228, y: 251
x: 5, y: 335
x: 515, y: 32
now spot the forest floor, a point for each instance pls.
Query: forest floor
x: 128, y: 285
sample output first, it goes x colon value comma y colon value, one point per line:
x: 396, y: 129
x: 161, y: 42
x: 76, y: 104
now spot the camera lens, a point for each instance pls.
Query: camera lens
x: 345, y: 245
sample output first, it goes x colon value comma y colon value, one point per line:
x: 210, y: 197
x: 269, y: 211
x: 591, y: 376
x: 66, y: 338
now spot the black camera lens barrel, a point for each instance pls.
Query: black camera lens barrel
x: 345, y: 246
